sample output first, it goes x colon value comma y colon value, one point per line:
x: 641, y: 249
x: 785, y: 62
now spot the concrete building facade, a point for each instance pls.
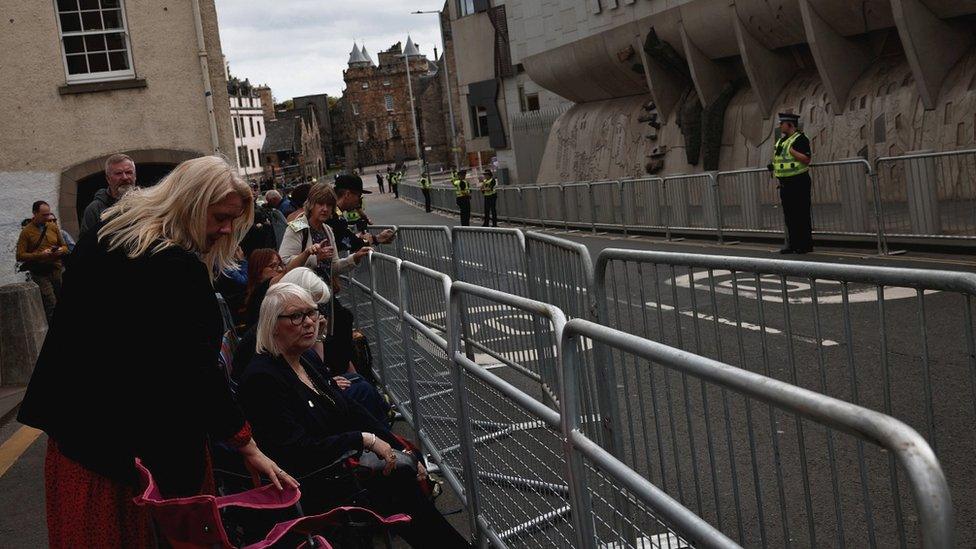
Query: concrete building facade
x: 504, y: 114
x: 117, y: 77
x: 675, y: 87
x: 247, y: 118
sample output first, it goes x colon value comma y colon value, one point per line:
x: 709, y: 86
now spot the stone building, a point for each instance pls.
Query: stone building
x: 375, y: 108
x: 293, y: 147
x: 114, y: 77
x: 321, y: 102
x: 247, y: 118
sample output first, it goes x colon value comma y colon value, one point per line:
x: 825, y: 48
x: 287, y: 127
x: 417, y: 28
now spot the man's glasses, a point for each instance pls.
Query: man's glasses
x: 298, y: 317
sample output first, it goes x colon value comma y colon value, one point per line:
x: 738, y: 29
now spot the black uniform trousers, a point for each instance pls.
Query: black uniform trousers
x: 426, y: 199
x: 794, y: 193
x: 396, y: 189
x: 464, y: 206
x: 491, y: 210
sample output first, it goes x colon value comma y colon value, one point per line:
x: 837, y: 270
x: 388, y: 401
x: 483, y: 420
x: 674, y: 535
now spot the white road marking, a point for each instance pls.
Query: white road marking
x: 829, y: 291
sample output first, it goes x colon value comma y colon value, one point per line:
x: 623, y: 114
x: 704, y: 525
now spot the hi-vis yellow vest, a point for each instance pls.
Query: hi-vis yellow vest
x: 784, y: 163
x: 461, y: 187
x: 488, y: 187
x: 424, y: 182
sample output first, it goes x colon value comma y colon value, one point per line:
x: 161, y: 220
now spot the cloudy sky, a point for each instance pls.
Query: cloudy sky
x: 300, y: 47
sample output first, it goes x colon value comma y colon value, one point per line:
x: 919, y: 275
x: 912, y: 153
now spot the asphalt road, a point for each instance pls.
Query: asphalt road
x: 764, y: 476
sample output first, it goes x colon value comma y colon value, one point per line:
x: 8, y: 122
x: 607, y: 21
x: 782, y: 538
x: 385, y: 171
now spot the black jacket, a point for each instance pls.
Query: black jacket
x: 129, y: 367
x: 300, y: 430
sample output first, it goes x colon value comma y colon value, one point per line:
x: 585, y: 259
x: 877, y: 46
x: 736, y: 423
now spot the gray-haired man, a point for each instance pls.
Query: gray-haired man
x: 120, y: 173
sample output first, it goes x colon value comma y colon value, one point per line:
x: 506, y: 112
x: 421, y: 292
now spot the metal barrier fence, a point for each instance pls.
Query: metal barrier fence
x: 917, y: 195
x: 900, y: 341
x: 532, y: 476
x: 427, y: 245
x: 930, y: 194
x: 735, y: 487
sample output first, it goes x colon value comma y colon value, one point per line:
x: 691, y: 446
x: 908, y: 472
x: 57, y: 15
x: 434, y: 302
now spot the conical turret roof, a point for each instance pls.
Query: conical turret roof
x: 356, y: 55
x: 410, y: 50
x: 366, y: 57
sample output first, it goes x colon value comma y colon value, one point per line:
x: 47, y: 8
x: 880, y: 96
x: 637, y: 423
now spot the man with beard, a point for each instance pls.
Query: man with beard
x: 120, y: 172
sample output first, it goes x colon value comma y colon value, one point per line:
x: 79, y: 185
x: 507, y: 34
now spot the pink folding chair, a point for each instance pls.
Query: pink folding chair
x: 194, y: 522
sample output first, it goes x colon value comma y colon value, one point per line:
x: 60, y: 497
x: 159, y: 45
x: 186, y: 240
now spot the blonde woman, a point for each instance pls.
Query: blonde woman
x: 128, y: 366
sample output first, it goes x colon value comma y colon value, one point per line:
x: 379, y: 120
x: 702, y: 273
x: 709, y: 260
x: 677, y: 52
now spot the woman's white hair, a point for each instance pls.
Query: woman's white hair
x: 279, y: 297
x: 313, y: 284
x: 174, y: 213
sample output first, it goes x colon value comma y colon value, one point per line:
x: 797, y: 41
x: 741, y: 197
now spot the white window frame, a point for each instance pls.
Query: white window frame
x: 389, y: 128
x: 388, y: 102
x: 104, y: 76
x: 465, y: 7
x: 355, y: 109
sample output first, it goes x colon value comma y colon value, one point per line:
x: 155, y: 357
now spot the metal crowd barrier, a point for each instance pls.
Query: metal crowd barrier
x: 900, y: 341
x: 533, y: 474
x: 929, y: 195
x: 738, y: 500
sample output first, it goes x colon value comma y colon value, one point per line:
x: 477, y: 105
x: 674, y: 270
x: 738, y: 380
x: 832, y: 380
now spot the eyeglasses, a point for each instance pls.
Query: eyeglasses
x: 298, y: 317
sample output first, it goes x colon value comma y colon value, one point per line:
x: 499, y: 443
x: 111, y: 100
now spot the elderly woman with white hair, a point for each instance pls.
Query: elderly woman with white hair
x: 353, y: 385
x: 305, y: 422
x: 127, y: 368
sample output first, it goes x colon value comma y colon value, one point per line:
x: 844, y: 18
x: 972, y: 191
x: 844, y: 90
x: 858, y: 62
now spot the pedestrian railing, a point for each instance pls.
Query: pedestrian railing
x: 896, y: 340
x: 580, y: 434
x: 928, y: 195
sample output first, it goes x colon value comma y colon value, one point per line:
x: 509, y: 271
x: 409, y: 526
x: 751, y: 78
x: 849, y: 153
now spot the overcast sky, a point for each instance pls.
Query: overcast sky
x: 300, y: 47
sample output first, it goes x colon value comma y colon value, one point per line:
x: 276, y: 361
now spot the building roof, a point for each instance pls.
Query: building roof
x: 283, y: 134
x: 410, y: 50
x: 356, y: 55
x: 365, y: 54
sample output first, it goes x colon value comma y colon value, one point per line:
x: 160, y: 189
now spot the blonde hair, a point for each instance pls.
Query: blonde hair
x: 174, y: 213
x: 311, y: 282
x: 320, y: 193
x: 277, y: 298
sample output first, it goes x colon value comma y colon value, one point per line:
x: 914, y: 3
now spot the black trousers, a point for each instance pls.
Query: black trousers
x: 396, y: 190
x: 380, y: 185
x: 426, y: 199
x: 387, y: 495
x: 794, y: 193
x: 491, y: 210
x: 464, y: 205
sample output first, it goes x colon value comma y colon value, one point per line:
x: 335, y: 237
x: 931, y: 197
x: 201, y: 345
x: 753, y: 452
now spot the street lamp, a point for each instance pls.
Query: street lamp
x: 410, y: 50
x: 447, y: 84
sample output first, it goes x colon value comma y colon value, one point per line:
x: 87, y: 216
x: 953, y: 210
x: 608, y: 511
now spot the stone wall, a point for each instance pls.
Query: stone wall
x: 46, y: 131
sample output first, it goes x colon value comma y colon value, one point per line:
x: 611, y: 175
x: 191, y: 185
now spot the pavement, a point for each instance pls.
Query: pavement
x: 22, y: 448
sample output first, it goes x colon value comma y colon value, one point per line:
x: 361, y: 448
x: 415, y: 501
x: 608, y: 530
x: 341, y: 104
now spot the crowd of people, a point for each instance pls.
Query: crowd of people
x: 129, y: 365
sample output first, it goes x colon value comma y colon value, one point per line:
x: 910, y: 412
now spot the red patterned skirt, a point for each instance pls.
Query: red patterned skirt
x: 86, y: 509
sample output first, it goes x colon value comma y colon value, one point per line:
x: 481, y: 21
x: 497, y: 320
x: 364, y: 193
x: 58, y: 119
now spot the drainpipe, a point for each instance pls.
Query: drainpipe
x: 205, y: 69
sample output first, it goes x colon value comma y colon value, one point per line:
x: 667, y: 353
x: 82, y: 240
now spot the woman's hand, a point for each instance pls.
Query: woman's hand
x: 325, y: 253
x: 386, y: 236
x: 360, y: 254
x: 259, y: 464
x: 342, y: 382
x: 421, y: 471
x: 382, y: 450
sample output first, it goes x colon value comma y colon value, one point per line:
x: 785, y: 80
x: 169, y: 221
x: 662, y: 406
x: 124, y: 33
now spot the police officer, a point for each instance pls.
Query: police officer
x: 462, y: 193
x: 425, y: 188
x: 489, y: 190
x: 790, y: 166
x: 394, y: 181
